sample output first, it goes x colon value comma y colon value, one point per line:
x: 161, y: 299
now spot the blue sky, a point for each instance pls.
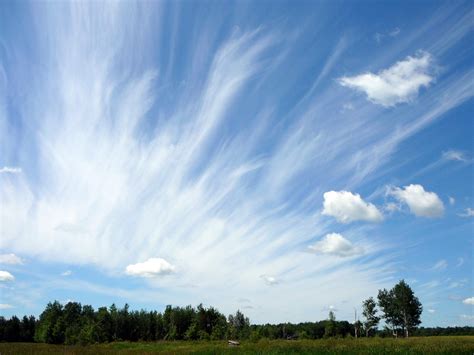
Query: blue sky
x: 282, y: 158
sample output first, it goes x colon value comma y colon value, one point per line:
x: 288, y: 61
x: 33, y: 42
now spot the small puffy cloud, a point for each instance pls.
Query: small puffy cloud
x: 10, y: 170
x: 269, y: 280
x: 452, y: 200
x: 421, y: 203
x: 66, y: 273
x: 467, y: 316
x: 5, y: 306
x: 455, y: 155
x: 431, y: 311
x: 6, y: 276
x: 440, y: 265
x: 336, y: 244
x: 460, y: 262
x: 469, y: 301
x: 10, y: 259
x: 468, y: 212
x: 151, y: 268
x: 347, y: 207
x: 398, y: 84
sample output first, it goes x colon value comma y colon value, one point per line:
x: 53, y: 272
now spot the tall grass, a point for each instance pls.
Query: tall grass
x: 415, y: 345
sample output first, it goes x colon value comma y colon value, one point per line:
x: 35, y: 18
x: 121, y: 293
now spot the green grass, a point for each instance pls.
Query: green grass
x: 421, y: 345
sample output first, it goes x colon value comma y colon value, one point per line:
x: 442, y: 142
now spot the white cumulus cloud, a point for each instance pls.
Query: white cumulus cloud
x: 469, y: 301
x: 6, y: 276
x: 347, y: 207
x: 398, y: 84
x: 421, y: 203
x: 10, y: 259
x: 151, y: 268
x: 336, y: 244
x: 66, y: 273
x: 5, y: 306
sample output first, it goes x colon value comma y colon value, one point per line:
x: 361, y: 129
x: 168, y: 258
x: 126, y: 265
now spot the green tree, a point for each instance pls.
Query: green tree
x: 104, y: 325
x: 51, y: 326
x: 401, y: 308
x: 369, y: 311
x: 239, y: 326
x: 330, y: 327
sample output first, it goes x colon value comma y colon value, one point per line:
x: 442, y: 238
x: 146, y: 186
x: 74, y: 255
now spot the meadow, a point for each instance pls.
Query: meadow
x: 415, y: 345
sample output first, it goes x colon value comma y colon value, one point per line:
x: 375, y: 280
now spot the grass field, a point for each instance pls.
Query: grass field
x: 425, y: 345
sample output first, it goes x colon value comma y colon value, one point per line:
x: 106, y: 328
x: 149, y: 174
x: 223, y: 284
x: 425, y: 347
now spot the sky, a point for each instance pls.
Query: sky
x: 281, y: 158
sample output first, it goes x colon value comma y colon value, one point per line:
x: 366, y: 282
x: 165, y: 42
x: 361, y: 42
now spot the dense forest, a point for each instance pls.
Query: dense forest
x: 74, y: 323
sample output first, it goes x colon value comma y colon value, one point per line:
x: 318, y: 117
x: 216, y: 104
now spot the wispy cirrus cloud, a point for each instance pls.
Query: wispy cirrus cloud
x: 10, y: 259
x: 135, y: 156
x: 10, y: 170
x: 440, y: 265
x: 456, y: 155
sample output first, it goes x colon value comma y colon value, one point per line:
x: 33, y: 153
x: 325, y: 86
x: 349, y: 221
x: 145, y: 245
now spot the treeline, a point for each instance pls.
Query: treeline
x: 74, y: 323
